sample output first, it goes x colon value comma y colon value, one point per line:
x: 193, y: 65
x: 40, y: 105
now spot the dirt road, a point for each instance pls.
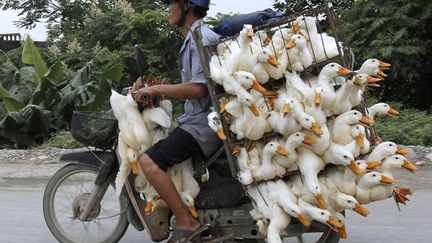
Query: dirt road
x: 22, y: 181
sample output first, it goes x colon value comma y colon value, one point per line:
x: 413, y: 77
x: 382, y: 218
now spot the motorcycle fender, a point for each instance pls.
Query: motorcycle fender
x: 88, y: 158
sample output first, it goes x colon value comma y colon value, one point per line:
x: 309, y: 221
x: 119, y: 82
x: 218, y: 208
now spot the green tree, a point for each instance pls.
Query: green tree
x: 289, y: 6
x: 396, y: 32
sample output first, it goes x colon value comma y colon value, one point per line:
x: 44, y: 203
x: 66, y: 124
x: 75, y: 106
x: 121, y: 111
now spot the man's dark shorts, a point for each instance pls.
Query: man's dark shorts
x: 176, y: 148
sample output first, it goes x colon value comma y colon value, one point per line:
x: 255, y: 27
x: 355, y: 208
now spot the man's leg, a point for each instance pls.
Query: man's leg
x: 163, y: 184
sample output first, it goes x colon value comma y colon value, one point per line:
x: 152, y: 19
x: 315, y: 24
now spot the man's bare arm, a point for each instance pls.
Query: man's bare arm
x: 186, y: 90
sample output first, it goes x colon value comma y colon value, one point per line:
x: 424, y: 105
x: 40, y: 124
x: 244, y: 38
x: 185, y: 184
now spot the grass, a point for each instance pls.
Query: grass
x: 61, y: 139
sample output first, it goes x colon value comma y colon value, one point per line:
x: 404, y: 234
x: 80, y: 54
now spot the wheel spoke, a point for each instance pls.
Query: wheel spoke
x: 75, y: 188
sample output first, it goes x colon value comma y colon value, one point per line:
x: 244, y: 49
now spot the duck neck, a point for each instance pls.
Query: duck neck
x: 267, y: 156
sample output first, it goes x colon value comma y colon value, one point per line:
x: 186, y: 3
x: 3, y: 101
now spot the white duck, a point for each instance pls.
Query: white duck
x: 297, y: 88
x: 343, y: 179
x: 367, y: 183
x: 309, y: 29
x: 284, y: 121
x: 129, y: 160
x: 299, y: 54
x: 267, y: 169
x: 190, y: 188
x: 338, y: 155
x: 267, y: 67
x: 279, y: 220
x: 361, y: 81
x: 381, y: 109
x: 310, y: 165
x: 305, y: 120
x: 385, y: 149
x: 342, y: 102
x: 280, y: 193
x: 260, y: 40
x: 215, y: 124
x: 340, y: 202
x: 131, y: 124
x: 294, y: 141
x: 157, y: 122
x: 360, y: 144
x: 242, y: 59
x: 327, y: 74
x: 317, y: 214
x: 260, y: 200
x: 341, y: 130
x: 322, y: 141
x: 313, y: 107
x: 245, y: 174
x: 249, y: 125
x: 390, y: 164
x: 374, y: 67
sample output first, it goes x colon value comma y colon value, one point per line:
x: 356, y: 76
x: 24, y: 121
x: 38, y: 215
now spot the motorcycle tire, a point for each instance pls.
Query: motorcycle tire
x: 50, y: 212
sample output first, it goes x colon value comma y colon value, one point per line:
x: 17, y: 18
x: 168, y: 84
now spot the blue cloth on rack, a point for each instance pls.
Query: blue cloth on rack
x: 232, y: 25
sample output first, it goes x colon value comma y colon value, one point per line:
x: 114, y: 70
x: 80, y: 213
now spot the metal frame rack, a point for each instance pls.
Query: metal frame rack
x: 326, y: 19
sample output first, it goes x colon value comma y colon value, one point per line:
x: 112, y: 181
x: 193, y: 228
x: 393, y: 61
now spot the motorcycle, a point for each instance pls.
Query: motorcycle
x: 80, y: 203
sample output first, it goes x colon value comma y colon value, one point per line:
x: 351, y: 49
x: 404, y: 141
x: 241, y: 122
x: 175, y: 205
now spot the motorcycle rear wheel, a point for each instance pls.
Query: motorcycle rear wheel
x: 70, y: 188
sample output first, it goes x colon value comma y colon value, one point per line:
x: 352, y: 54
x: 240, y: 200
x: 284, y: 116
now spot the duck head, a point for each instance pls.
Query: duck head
x: 323, y: 216
x: 310, y: 123
x: 298, y: 138
x: 398, y: 161
x: 354, y: 117
x: 374, y: 67
x: 190, y: 203
x: 247, y: 99
x: 332, y: 70
x: 275, y: 148
x: 383, y: 109
x: 297, y: 41
x: 247, y: 33
x: 358, y: 132
x: 363, y: 79
x: 374, y: 178
x: 216, y: 124
x: 390, y: 148
x: 318, y: 94
x: 306, y: 23
x: 293, y: 210
x: 349, y: 202
x: 245, y: 177
x: 263, y: 37
x: 265, y: 56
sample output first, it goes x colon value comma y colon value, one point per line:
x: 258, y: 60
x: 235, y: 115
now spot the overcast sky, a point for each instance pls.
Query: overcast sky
x: 223, y: 6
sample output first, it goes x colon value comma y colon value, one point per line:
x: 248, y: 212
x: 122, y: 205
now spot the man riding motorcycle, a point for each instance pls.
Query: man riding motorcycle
x: 193, y: 135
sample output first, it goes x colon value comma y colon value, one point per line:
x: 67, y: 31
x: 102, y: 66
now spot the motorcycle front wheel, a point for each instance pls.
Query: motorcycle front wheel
x: 66, y: 194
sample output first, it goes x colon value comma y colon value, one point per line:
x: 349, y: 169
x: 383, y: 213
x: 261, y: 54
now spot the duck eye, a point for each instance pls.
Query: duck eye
x: 374, y: 175
x: 397, y: 158
x: 355, y: 113
x: 322, y: 213
x: 345, y: 157
x: 307, y: 119
x: 358, y: 163
x: 390, y: 145
x: 297, y: 135
x: 349, y: 201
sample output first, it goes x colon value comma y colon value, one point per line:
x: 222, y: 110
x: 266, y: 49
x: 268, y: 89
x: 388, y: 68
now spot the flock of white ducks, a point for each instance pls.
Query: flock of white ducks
x: 313, y: 124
